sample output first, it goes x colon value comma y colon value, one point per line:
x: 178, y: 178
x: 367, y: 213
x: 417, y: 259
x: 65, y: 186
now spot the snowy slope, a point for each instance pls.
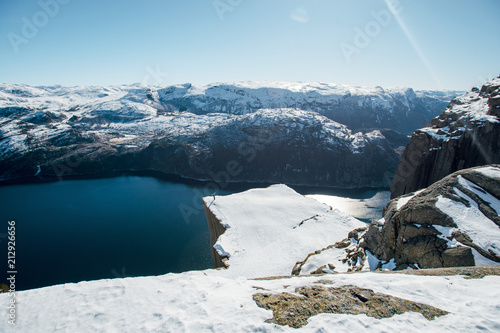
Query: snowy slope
x: 207, y: 302
x: 469, y: 218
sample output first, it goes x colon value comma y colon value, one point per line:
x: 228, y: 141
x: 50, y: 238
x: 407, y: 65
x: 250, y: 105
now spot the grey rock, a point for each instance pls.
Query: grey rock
x: 410, y: 234
x: 465, y: 135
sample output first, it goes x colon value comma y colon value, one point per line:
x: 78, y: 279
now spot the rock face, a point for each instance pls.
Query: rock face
x: 239, y: 132
x: 454, y: 222
x: 465, y: 135
x: 216, y: 228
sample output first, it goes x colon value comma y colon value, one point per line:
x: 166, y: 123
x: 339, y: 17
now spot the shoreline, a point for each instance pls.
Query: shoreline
x: 176, y: 178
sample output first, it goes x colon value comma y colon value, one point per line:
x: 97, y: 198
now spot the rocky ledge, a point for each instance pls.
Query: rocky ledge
x: 269, y: 232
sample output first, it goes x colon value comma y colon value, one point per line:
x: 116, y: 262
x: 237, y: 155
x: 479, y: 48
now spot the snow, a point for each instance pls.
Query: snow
x: 471, y: 107
x: 390, y: 265
x: 332, y: 256
x: 485, y: 196
x: 490, y: 171
x: 483, y: 232
x: 204, y: 301
x: 372, y: 260
x: 440, y: 134
x: 404, y: 200
x: 446, y: 234
x: 271, y: 229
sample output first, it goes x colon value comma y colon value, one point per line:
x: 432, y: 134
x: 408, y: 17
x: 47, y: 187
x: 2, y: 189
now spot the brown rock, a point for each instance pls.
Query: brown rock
x: 294, y: 311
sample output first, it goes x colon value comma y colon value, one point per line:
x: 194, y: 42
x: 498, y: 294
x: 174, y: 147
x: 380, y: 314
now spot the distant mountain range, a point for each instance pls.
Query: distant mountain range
x: 297, y: 133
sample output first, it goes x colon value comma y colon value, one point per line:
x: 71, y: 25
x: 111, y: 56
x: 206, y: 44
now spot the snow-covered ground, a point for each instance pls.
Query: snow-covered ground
x: 205, y: 301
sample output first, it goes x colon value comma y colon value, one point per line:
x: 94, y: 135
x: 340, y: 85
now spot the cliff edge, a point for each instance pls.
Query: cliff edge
x: 465, y: 135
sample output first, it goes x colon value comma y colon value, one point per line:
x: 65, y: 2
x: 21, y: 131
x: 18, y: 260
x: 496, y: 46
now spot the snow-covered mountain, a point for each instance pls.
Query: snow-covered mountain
x: 271, y: 131
x: 359, y: 108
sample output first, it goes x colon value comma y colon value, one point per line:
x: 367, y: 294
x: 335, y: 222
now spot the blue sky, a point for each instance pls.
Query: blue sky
x: 424, y: 44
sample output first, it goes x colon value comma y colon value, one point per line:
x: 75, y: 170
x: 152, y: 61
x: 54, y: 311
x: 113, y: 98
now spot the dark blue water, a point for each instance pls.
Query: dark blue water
x: 78, y: 230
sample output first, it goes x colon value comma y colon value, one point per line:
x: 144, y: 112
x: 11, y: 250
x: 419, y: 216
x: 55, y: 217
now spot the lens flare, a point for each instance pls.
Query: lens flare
x: 413, y: 43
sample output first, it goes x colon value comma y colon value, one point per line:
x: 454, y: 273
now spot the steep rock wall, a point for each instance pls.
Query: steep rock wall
x: 465, y: 135
x: 216, y: 229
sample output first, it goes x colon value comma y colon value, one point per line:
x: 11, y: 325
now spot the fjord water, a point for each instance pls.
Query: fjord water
x: 80, y: 230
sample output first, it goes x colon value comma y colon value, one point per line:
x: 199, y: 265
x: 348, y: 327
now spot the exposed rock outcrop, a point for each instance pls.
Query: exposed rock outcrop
x: 465, y: 135
x: 294, y: 310
x: 454, y: 222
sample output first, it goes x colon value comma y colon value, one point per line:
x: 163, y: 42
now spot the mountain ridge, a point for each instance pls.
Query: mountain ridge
x: 63, y: 131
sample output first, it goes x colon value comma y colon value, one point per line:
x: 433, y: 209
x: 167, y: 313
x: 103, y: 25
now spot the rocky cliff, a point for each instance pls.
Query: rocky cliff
x: 454, y: 222
x: 216, y: 228
x: 465, y: 135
